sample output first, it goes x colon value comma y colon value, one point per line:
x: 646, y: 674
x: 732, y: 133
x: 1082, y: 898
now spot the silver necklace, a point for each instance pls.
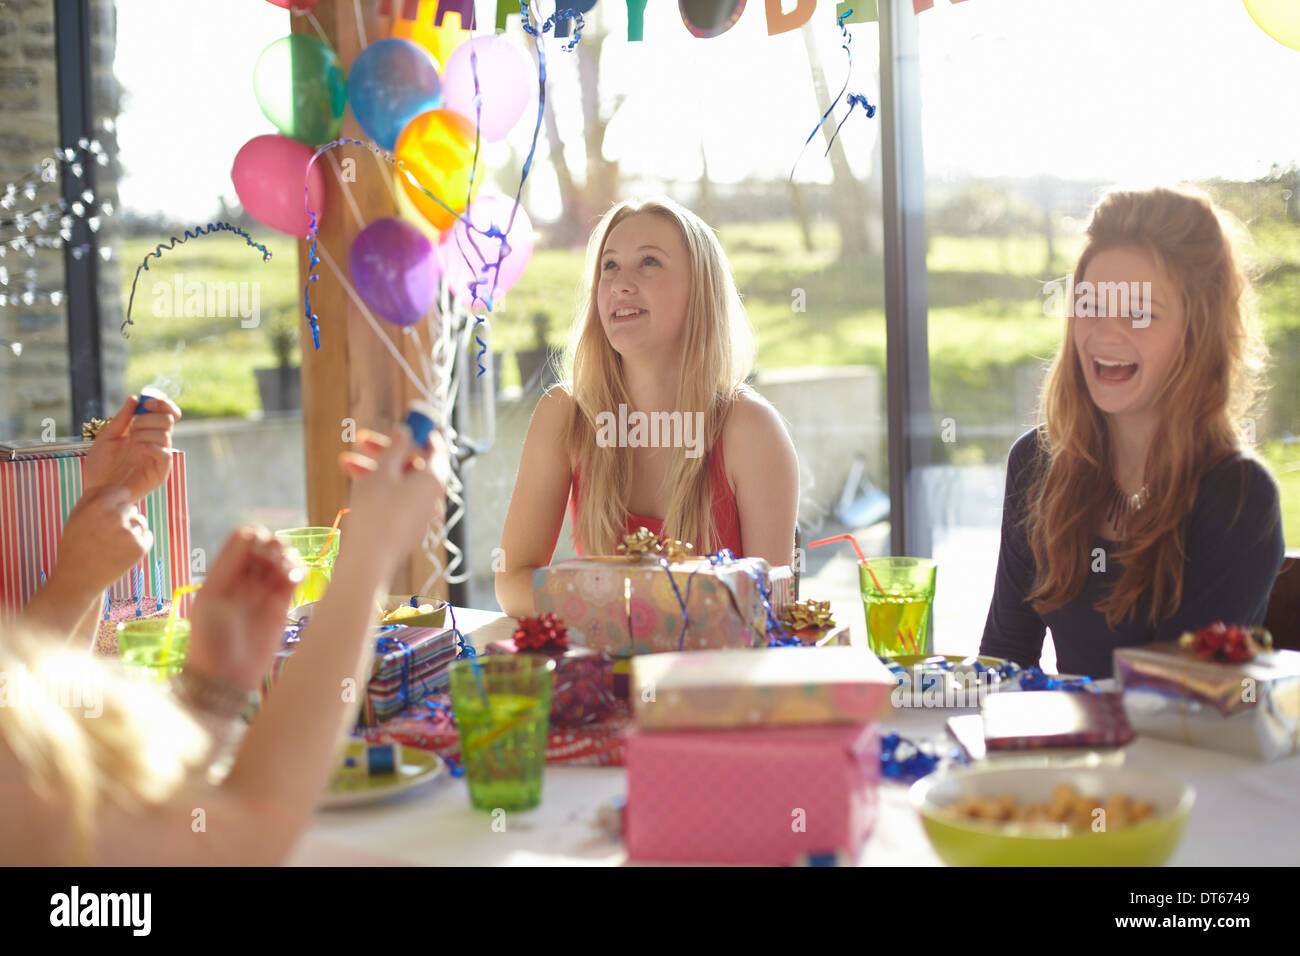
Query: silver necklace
x: 1123, y: 507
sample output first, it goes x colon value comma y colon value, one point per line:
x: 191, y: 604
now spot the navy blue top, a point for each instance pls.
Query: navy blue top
x: 1230, y: 570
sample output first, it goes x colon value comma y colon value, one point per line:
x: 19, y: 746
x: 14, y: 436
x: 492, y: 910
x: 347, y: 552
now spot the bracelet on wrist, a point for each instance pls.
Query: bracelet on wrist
x: 212, y: 695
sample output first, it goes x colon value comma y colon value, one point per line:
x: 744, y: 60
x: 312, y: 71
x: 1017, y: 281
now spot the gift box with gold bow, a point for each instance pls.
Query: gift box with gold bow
x: 1248, y: 707
x: 633, y: 603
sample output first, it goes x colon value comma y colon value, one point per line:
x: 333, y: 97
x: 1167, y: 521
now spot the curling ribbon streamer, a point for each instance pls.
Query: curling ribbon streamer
x: 855, y: 99
x: 194, y: 233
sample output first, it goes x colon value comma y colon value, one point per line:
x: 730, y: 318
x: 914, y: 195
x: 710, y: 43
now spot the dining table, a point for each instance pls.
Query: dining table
x: 1246, y: 812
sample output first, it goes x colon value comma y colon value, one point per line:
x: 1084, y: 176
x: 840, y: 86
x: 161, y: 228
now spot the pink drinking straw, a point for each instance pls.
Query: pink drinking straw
x: 861, y: 557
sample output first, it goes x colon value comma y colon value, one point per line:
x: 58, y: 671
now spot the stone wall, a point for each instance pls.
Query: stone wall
x: 34, y: 386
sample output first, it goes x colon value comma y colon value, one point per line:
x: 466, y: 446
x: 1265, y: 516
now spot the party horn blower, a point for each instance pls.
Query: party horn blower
x: 419, y: 419
x: 861, y: 557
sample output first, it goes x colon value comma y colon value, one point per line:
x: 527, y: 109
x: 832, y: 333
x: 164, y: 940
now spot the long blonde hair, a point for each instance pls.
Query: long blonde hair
x: 1211, y: 386
x: 717, y: 356
x: 85, y: 736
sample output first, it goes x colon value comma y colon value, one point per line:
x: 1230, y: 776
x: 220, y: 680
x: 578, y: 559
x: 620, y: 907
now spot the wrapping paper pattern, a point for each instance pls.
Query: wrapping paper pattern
x: 1251, y: 708
x: 431, y: 652
x: 724, y: 605
x: 584, y: 683
x: 593, y: 745
x: 767, y: 796
x: 37, y: 492
x: 763, y: 687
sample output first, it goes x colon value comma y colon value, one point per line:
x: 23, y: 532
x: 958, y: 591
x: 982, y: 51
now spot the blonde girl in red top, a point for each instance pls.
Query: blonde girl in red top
x: 663, y: 335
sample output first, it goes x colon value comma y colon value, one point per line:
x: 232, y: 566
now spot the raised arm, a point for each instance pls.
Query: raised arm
x: 537, y: 506
x: 765, y: 471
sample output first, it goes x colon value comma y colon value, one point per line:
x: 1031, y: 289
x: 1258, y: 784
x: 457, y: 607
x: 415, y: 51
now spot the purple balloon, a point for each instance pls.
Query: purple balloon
x: 394, y: 270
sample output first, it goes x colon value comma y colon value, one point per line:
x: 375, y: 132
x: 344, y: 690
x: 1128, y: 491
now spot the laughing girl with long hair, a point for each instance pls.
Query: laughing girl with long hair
x: 1137, y: 511
x: 663, y: 335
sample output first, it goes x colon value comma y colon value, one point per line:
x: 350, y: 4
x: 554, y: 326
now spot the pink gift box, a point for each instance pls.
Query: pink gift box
x: 766, y: 796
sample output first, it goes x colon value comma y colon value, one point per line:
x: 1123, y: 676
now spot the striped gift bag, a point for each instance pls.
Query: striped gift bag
x: 38, y: 490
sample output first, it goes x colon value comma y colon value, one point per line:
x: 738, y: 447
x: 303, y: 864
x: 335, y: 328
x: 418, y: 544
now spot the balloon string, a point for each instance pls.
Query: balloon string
x: 361, y: 25
x: 424, y: 390
x: 174, y: 241
x: 854, y: 98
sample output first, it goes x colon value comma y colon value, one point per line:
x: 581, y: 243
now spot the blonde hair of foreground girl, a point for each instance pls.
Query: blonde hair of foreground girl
x: 717, y: 357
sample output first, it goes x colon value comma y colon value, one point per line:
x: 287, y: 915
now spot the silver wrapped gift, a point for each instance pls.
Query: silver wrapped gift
x: 1250, y: 708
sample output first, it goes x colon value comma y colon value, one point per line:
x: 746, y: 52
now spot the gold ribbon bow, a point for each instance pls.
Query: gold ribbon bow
x: 675, y: 551
x: 808, y: 615
x: 640, y: 545
x: 90, y: 430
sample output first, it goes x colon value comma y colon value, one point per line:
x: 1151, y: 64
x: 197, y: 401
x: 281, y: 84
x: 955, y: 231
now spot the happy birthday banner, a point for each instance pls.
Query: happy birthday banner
x: 703, y: 18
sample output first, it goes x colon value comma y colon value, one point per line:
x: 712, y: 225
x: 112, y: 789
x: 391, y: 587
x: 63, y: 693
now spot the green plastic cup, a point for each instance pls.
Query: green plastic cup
x: 502, y: 706
x: 898, y: 612
x: 318, y: 548
x: 144, y: 644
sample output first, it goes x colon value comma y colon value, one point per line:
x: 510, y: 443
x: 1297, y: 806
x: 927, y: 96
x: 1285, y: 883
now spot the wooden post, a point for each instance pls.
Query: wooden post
x: 353, y: 379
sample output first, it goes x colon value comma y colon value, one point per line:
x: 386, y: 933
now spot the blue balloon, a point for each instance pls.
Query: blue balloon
x: 391, y: 82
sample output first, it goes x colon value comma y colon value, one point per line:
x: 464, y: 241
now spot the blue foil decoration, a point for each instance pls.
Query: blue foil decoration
x: 174, y: 241
x: 906, y: 761
x: 1031, y: 678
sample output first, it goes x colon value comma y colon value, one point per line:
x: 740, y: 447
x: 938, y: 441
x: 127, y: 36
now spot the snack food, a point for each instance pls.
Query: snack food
x: 398, y: 614
x: 1067, y: 806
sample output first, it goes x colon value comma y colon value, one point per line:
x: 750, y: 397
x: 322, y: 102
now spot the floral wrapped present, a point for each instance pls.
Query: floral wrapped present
x: 1217, y: 690
x: 769, y: 796
x: 584, y: 678
x: 410, y: 664
x: 666, y: 602
x: 767, y: 686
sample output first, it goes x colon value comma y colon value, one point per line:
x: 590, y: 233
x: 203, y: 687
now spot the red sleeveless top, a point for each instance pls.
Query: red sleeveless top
x: 726, y: 513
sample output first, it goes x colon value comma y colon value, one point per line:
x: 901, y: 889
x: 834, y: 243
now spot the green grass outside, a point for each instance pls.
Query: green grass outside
x: 985, y: 298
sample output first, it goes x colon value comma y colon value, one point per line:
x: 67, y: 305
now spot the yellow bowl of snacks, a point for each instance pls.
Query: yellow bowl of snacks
x: 1053, y: 816
x: 408, y: 610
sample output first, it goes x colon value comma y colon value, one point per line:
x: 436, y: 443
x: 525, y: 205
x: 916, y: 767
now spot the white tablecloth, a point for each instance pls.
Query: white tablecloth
x: 1246, y: 813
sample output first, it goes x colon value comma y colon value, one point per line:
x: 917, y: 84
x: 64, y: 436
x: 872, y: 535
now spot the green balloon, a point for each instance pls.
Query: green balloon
x: 301, y: 88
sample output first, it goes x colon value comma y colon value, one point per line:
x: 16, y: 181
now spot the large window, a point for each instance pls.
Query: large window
x: 1032, y: 109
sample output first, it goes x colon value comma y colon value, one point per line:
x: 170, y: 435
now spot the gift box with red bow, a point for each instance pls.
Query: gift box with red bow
x: 1218, y: 688
x: 584, y: 678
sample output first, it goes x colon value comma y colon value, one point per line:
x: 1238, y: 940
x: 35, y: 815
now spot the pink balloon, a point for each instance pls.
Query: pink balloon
x: 269, y: 174
x: 489, y: 209
x: 505, y: 80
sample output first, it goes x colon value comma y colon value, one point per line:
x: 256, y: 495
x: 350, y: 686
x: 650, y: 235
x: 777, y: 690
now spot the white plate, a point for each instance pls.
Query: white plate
x: 348, y: 790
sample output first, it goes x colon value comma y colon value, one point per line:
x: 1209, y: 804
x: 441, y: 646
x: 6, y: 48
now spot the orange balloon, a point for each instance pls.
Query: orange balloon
x: 437, y: 147
x: 439, y: 41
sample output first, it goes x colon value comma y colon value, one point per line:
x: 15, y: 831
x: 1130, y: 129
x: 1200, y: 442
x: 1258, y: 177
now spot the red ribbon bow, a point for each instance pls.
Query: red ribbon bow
x: 541, y: 633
